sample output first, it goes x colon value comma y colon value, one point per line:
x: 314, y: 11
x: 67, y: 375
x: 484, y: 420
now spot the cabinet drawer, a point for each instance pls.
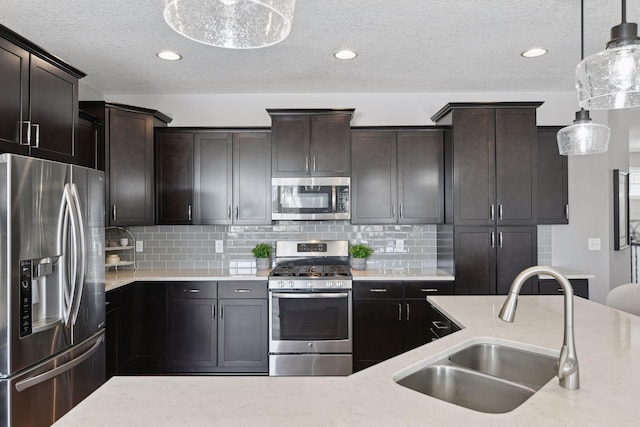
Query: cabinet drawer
x: 192, y: 290
x: 375, y: 290
x: 247, y: 289
x: 423, y: 289
x: 551, y: 287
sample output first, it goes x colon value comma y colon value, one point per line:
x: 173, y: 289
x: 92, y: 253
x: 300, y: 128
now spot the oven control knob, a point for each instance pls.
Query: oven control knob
x: 309, y: 284
x: 329, y: 284
x: 338, y: 284
x: 290, y: 284
x: 281, y: 284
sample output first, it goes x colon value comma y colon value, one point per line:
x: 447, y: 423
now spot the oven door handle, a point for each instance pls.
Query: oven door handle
x: 310, y: 295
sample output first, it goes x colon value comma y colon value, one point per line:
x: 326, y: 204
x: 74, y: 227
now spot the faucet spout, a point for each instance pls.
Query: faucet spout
x: 568, y: 371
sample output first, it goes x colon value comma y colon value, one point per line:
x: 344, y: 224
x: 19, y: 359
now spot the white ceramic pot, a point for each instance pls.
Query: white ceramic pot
x: 263, y: 263
x: 359, y: 263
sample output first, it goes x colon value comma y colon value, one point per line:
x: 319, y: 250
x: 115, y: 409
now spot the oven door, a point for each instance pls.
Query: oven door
x: 310, y: 322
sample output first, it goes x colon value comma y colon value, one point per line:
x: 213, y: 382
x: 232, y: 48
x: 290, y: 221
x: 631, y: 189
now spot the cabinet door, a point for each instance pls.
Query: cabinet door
x: 516, y: 172
x: 243, y: 334
x: 330, y: 145
x: 377, y: 331
x: 88, y: 143
x: 475, y: 260
x: 252, y: 178
x: 174, y: 178
x: 291, y: 136
x: 130, y: 169
x: 14, y: 102
x: 418, y: 321
x: 54, y: 111
x: 213, y: 177
x: 191, y: 334
x: 374, y: 177
x: 517, y: 249
x: 420, y: 177
x: 553, y: 179
x: 113, y: 337
x: 474, y: 160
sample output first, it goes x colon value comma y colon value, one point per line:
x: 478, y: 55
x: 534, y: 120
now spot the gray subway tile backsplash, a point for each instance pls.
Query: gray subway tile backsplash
x: 189, y: 247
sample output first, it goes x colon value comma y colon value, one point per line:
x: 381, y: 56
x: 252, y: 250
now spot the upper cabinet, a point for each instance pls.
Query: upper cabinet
x: 553, y: 179
x: 213, y: 177
x: 311, y: 142
x: 492, y: 162
x: 397, y: 176
x: 128, y: 142
x: 39, y: 101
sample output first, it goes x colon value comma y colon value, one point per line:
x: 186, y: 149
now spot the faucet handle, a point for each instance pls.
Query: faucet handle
x: 566, y: 365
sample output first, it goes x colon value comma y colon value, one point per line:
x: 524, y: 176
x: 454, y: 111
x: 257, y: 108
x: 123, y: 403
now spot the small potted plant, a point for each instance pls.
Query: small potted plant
x: 262, y: 252
x: 359, y: 254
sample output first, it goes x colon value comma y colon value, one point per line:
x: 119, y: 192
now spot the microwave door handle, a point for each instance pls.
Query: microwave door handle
x: 334, y: 202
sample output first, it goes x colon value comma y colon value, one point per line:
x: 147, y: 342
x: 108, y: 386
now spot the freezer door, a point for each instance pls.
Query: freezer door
x: 88, y: 195
x: 31, y: 302
x: 41, y: 395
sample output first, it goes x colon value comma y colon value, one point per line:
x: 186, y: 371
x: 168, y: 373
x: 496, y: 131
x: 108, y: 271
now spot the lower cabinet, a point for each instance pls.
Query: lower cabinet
x: 187, y: 328
x: 391, y: 317
x: 551, y: 287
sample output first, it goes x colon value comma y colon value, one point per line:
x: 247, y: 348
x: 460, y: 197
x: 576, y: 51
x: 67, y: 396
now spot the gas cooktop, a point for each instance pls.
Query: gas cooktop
x: 307, y: 271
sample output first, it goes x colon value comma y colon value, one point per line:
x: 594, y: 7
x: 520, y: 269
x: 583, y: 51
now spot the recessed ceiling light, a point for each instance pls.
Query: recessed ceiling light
x: 169, y: 55
x: 535, y: 52
x: 345, y: 54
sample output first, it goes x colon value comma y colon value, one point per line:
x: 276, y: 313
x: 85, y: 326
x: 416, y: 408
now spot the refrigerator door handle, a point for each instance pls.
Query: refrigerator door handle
x: 45, y: 376
x: 64, y: 232
x: 80, y: 256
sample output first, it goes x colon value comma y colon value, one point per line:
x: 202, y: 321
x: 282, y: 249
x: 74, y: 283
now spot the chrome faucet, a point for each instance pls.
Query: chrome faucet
x: 568, y: 361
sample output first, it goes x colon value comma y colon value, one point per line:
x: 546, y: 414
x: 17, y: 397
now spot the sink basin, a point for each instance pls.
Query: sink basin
x: 508, y: 363
x: 485, y: 377
x: 467, y: 388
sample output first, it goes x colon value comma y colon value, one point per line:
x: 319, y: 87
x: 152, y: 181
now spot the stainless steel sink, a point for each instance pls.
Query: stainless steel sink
x: 485, y: 377
x: 467, y: 388
x: 508, y: 363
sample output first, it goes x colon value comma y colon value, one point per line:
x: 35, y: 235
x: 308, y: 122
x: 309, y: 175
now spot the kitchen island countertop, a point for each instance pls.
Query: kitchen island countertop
x: 608, y: 348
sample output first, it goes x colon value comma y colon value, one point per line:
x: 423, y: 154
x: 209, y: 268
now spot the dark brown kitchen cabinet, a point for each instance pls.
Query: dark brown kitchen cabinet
x: 174, y: 178
x: 113, y: 333
x: 39, y: 101
x: 397, y: 176
x: 191, y: 328
x: 493, y: 162
x: 243, y: 327
x: 213, y: 177
x: 310, y: 142
x: 553, y: 179
x: 391, y: 317
x: 487, y: 259
x: 129, y: 164
x: 142, y: 345
x: 551, y: 287
x: 89, y: 151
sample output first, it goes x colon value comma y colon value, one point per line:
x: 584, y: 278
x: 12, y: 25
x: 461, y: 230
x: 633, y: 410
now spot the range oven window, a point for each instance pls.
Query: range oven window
x: 314, y: 318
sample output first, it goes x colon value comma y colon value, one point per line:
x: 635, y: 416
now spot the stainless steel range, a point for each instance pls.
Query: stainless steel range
x: 310, y: 300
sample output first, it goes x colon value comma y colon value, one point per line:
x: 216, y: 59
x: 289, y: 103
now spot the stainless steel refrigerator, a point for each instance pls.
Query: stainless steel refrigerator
x: 51, y: 288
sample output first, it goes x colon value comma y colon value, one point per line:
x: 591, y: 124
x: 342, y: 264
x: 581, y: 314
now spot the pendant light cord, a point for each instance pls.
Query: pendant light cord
x: 581, y: 37
x: 624, y: 11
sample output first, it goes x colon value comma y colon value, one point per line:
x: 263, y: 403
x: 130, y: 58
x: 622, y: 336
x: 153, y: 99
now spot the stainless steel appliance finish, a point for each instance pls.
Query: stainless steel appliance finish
x: 310, y: 198
x: 310, y: 309
x: 51, y: 288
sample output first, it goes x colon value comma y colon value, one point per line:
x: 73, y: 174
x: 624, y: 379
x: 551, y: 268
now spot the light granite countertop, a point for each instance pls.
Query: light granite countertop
x: 120, y: 278
x: 608, y: 348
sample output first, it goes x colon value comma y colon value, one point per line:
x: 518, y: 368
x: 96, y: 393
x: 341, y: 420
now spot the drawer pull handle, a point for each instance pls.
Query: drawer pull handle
x: 242, y: 291
x: 428, y: 290
x: 378, y: 290
x: 435, y: 334
x: 439, y: 325
x: 193, y: 291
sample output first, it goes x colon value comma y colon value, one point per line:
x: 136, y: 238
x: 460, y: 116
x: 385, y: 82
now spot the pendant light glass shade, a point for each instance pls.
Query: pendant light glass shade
x: 583, y: 137
x: 610, y: 79
x: 234, y: 24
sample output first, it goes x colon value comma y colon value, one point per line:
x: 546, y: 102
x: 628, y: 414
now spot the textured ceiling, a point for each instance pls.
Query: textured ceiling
x: 403, y: 46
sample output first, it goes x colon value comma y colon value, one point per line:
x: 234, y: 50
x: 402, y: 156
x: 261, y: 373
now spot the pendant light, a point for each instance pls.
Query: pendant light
x: 610, y: 79
x: 583, y: 137
x: 234, y: 24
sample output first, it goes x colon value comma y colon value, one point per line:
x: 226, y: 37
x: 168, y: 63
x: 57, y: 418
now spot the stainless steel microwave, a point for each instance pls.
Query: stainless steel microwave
x: 310, y: 198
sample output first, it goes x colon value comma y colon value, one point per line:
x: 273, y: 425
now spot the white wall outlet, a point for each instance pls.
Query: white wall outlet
x: 219, y: 247
x: 593, y: 244
x: 399, y: 245
x: 139, y: 246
